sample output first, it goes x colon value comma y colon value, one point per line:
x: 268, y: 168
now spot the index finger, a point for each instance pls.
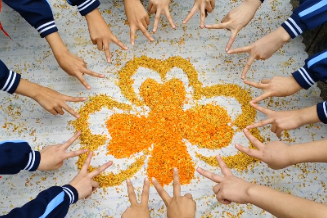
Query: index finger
x: 263, y: 110
x: 190, y: 15
x: 91, y: 73
x: 132, y: 35
x: 162, y: 193
x: 107, y: 51
x: 145, y: 192
x: 226, y: 171
x: 253, y: 139
x: 131, y: 193
x: 146, y: 33
x: 87, y: 162
x: 176, y: 183
x: 170, y: 19
x: 71, y: 140
x: 255, y: 84
x: 202, y: 16
x: 70, y: 110
x: 100, y: 169
x: 217, y: 26
x: 156, y: 20
x: 83, y: 81
x: 209, y: 175
x: 248, y: 66
x: 261, y: 123
x: 74, y: 99
x: 240, y: 50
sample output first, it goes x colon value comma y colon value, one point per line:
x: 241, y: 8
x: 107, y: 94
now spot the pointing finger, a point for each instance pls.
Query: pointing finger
x: 107, y: 51
x: 131, y: 193
x: 217, y: 26
x: 132, y: 35
x: 145, y: 192
x: 162, y: 193
x: 261, y: 97
x: 231, y: 39
x: 70, y: 141
x: 190, y: 15
x: 100, y: 169
x: 249, y: 151
x: 240, y: 50
x: 247, y: 66
x: 263, y: 110
x: 73, y: 99
x: 146, y: 33
x: 87, y: 163
x: 156, y: 21
x: 255, y: 84
x: 70, y: 110
x: 83, y: 81
x: 202, y: 16
x: 209, y: 175
x: 170, y: 19
x: 253, y: 139
x: 176, y: 183
x: 75, y: 153
x: 91, y: 73
x: 226, y: 171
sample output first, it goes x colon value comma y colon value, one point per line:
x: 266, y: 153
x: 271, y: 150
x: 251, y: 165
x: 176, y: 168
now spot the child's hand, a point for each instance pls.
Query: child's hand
x: 76, y: 67
x: 264, y: 48
x: 83, y: 182
x: 138, y: 210
x: 138, y: 18
x: 276, y: 154
x: 236, y: 19
x: 53, y: 156
x: 100, y: 33
x: 276, y: 87
x: 279, y: 120
x: 159, y: 7
x: 54, y: 102
x: 204, y: 6
x: 70, y: 63
x: 229, y: 188
x: 178, y: 206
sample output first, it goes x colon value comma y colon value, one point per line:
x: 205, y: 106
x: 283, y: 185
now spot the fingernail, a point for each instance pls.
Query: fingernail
x: 146, y: 179
x: 154, y: 179
x: 84, y: 99
x: 85, y: 150
x: 77, y: 116
x: 218, y: 155
x: 175, y: 170
x: 128, y: 180
x: 88, y: 87
x: 199, y: 169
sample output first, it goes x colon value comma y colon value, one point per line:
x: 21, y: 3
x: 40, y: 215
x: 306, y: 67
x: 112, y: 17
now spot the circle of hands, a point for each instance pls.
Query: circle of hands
x: 228, y: 187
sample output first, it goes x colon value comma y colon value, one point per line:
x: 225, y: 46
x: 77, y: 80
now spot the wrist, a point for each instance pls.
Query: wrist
x: 282, y: 35
x: 93, y: 15
x: 308, y: 115
x: 255, y: 3
x: 27, y: 89
x: 251, y: 193
x: 57, y: 45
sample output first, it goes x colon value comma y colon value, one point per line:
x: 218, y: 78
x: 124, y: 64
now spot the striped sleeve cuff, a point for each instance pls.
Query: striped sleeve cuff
x: 88, y: 6
x: 71, y: 193
x: 12, y: 82
x: 33, y: 161
x: 322, y: 112
x: 294, y: 26
x: 303, y: 77
x: 47, y: 28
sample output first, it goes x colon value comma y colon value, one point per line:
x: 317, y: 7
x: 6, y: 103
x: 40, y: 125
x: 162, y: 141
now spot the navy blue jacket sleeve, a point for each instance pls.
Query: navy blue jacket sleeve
x: 322, y: 112
x: 37, y: 13
x: 51, y: 203
x: 9, y: 80
x: 309, y: 15
x: 16, y: 156
x: 315, y: 69
x: 84, y: 6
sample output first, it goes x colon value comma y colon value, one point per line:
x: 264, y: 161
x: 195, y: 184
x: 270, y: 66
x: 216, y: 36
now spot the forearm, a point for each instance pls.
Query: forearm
x: 308, y: 115
x: 56, y: 44
x: 284, y: 205
x: 27, y: 88
x: 309, y: 152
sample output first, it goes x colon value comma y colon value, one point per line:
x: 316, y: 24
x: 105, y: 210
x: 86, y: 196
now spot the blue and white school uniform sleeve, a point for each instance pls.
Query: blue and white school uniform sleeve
x: 37, y: 13
x: 309, y: 15
x: 84, y: 6
x: 9, y: 80
x: 315, y: 69
x: 51, y: 203
x: 322, y: 112
x: 16, y: 156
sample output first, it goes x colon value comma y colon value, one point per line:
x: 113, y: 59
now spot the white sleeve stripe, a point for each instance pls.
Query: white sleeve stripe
x: 32, y: 162
x: 295, y: 24
x: 324, y: 106
x: 12, y: 82
x: 84, y: 3
x: 8, y: 79
x: 70, y: 194
x: 292, y: 29
x: 303, y: 76
x: 308, y: 75
x: 44, y: 25
x: 50, y: 27
x: 29, y: 161
x: 81, y: 9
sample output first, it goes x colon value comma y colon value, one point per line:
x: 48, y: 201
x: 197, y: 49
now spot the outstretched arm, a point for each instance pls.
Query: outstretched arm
x: 232, y: 189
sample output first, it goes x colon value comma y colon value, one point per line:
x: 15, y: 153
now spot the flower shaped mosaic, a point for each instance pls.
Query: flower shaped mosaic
x: 160, y: 134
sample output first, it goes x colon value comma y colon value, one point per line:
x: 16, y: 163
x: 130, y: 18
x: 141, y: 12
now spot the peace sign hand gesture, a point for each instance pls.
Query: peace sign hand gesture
x: 53, y: 156
x: 136, y: 209
x: 83, y: 182
x: 229, y: 188
x: 177, y: 206
x: 204, y: 6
